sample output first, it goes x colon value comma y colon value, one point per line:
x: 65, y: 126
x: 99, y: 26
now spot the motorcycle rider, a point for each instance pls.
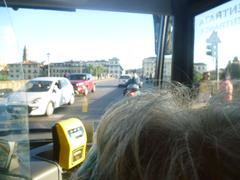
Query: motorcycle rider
x: 133, y: 82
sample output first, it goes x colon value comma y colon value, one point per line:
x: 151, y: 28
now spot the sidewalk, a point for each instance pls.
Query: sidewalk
x: 147, y: 86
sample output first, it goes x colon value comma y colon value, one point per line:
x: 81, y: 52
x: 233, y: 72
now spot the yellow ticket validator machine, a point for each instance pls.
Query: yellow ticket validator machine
x: 69, y: 142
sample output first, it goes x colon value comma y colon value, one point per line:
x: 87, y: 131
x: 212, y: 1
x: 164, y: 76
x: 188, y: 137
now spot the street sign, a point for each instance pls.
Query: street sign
x: 213, y: 39
x: 212, y: 45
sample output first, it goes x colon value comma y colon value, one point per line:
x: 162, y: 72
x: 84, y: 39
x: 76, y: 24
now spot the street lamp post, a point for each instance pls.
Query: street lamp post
x: 48, y: 55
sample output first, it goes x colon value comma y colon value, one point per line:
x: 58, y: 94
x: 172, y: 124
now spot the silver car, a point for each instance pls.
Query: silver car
x: 122, y: 81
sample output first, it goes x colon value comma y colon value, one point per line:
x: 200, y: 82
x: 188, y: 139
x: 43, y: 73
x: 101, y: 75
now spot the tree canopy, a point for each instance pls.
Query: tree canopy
x: 97, y: 70
x: 233, y: 68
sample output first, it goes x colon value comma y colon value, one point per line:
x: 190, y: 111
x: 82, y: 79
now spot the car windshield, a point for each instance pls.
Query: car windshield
x: 37, y: 86
x: 77, y: 77
x: 124, y: 77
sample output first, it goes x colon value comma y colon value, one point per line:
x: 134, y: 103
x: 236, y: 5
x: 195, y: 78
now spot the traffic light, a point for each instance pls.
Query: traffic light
x: 210, y: 50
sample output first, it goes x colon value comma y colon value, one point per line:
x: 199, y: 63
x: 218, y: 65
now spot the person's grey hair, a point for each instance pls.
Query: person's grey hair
x: 159, y: 136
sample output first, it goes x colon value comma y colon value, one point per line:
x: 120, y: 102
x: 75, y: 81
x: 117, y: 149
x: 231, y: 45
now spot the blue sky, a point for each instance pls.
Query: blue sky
x: 90, y: 35
x: 80, y: 35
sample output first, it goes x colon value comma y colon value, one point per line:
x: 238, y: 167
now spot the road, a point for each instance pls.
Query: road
x: 89, y: 108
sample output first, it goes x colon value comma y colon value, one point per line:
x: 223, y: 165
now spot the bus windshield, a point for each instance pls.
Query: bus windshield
x: 46, y: 43
x: 115, y: 55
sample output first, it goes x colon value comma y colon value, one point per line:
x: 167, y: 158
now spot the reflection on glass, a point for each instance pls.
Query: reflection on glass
x: 37, y: 86
x: 6, y: 153
x: 215, y: 47
x: 14, y: 138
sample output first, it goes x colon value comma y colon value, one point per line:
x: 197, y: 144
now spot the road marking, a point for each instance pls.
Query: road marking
x: 84, y: 102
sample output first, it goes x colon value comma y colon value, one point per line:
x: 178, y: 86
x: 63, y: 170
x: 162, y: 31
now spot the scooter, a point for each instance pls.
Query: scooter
x: 132, y: 90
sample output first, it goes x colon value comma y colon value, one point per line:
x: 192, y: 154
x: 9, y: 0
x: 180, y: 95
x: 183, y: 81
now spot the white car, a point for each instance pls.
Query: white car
x: 42, y: 95
x: 122, y: 81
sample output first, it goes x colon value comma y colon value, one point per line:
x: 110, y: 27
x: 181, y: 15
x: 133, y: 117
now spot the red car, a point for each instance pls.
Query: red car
x: 82, y: 83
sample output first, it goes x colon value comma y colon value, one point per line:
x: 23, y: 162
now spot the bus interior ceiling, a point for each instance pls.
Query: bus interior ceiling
x: 182, y: 10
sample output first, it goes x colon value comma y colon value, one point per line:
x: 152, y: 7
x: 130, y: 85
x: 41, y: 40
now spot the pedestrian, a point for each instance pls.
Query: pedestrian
x: 205, y: 88
x: 66, y: 75
x: 150, y: 78
x: 226, y: 88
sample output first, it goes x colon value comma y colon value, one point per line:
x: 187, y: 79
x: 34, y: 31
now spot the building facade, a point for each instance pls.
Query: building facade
x: 200, y: 67
x: 114, y: 68
x: 148, y: 67
x: 167, y: 68
x: 61, y: 69
x: 25, y: 70
x: 30, y: 69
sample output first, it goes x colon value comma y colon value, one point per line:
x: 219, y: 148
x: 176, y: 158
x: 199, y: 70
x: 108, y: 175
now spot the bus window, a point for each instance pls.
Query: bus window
x: 37, y: 40
x: 163, y: 26
x: 14, y: 137
x: 102, y: 44
x: 167, y: 67
x: 216, y: 51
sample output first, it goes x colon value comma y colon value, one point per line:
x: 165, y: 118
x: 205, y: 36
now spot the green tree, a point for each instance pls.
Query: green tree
x: 91, y: 69
x: 233, y: 68
x: 4, y: 74
x: 197, y: 76
x: 96, y: 70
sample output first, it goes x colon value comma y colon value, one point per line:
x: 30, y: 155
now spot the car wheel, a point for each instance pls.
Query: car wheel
x: 94, y: 88
x: 72, y: 99
x: 50, y: 109
x: 85, y: 91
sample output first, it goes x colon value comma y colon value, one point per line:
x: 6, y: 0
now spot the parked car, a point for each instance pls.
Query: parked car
x: 42, y: 95
x: 122, y: 81
x: 82, y: 83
